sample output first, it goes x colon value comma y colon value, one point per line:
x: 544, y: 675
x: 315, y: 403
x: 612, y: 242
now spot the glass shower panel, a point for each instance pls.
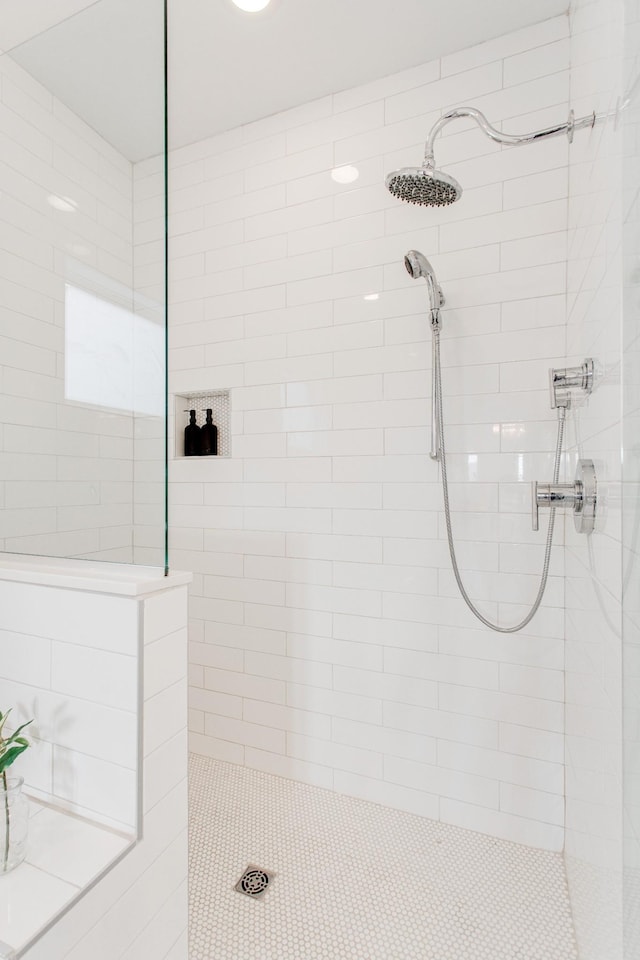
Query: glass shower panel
x: 630, y: 114
x: 82, y: 281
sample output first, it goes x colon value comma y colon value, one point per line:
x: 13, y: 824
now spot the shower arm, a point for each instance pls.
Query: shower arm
x: 511, y: 139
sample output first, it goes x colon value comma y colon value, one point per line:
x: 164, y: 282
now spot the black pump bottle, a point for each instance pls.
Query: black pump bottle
x: 209, y: 436
x: 192, y: 437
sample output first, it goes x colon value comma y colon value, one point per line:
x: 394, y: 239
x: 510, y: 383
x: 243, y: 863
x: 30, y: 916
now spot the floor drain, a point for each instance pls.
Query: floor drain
x: 254, y: 882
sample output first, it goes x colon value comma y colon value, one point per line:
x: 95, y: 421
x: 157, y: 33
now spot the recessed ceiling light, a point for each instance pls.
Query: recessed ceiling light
x: 65, y: 204
x: 251, y: 6
x: 345, y: 174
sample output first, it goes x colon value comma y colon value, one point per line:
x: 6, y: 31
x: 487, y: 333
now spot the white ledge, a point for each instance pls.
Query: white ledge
x: 66, y: 856
x: 96, y: 576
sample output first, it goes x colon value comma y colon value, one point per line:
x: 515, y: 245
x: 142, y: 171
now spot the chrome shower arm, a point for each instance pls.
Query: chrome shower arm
x: 511, y: 139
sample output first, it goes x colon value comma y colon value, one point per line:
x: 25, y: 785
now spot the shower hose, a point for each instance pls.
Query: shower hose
x: 437, y: 373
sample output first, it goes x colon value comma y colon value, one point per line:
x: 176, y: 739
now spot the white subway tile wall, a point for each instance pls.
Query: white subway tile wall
x: 594, y: 591
x: 70, y: 660
x: 328, y: 640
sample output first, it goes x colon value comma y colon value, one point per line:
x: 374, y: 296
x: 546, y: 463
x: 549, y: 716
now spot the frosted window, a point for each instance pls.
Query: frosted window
x: 113, y: 357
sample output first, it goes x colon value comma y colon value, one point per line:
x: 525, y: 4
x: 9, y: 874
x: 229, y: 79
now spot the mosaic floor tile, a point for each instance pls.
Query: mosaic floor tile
x: 356, y: 881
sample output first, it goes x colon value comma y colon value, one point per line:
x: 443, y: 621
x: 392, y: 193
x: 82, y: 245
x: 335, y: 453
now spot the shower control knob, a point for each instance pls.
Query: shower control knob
x: 581, y: 496
x: 552, y: 495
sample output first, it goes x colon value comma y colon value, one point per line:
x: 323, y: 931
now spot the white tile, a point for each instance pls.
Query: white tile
x: 256, y: 735
x: 551, y: 248
x: 165, y: 714
x: 48, y: 612
x: 332, y: 547
x: 337, y: 390
x: 367, y: 763
x: 335, y: 443
x: 367, y: 496
x: 334, y: 599
x: 337, y: 285
x: 20, y: 918
x: 70, y: 848
x: 333, y: 234
x: 309, y: 213
x: 536, y: 35
x: 304, y: 722
x: 244, y: 685
x: 165, y: 661
x: 539, y: 62
x: 541, y: 744
x: 480, y: 791
x: 532, y: 681
x: 503, y: 825
x: 95, y: 787
x: 535, y: 804
x: 25, y: 659
x: 353, y: 337
x: 444, y: 93
x: 288, y: 168
x: 525, y: 772
x: 537, y: 188
x: 107, y: 678
x: 333, y: 128
x: 542, y: 715
x: 527, y: 222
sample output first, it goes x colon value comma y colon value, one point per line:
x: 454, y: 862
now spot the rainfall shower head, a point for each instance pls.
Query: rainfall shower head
x: 432, y: 188
x: 423, y: 185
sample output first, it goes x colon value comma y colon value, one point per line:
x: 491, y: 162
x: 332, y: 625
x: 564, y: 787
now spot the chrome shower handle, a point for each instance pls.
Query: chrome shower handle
x: 553, y: 495
x: 581, y: 496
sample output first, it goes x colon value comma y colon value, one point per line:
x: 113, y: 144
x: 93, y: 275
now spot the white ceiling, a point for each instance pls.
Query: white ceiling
x: 105, y: 62
x: 227, y: 67
x: 20, y: 21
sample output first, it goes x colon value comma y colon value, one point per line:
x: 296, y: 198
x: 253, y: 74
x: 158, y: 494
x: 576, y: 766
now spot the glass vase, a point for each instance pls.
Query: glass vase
x: 14, y: 823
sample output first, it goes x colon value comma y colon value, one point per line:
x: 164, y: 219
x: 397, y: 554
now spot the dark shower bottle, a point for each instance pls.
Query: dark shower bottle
x: 192, y: 437
x: 209, y: 437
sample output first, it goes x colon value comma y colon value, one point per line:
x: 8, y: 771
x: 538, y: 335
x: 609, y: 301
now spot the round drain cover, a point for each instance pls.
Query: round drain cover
x: 254, y: 882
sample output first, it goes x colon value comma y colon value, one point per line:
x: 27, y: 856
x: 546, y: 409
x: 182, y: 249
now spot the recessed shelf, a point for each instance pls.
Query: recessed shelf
x: 219, y: 401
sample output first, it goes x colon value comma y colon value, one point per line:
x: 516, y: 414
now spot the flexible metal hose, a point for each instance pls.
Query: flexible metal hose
x: 437, y: 373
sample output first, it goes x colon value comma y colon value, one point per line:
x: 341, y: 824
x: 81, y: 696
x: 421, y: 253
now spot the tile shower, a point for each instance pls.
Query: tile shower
x: 344, y: 705
x: 328, y: 640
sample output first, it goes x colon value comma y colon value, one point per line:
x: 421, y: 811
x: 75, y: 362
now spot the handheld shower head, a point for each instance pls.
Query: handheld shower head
x: 417, y: 265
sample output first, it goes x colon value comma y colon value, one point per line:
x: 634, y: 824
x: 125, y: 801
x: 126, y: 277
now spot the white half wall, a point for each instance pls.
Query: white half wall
x: 139, y: 908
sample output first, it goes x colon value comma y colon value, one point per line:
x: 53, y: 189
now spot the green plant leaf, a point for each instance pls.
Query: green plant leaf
x: 3, y: 720
x: 16, y: 733
x: 12, y: 754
